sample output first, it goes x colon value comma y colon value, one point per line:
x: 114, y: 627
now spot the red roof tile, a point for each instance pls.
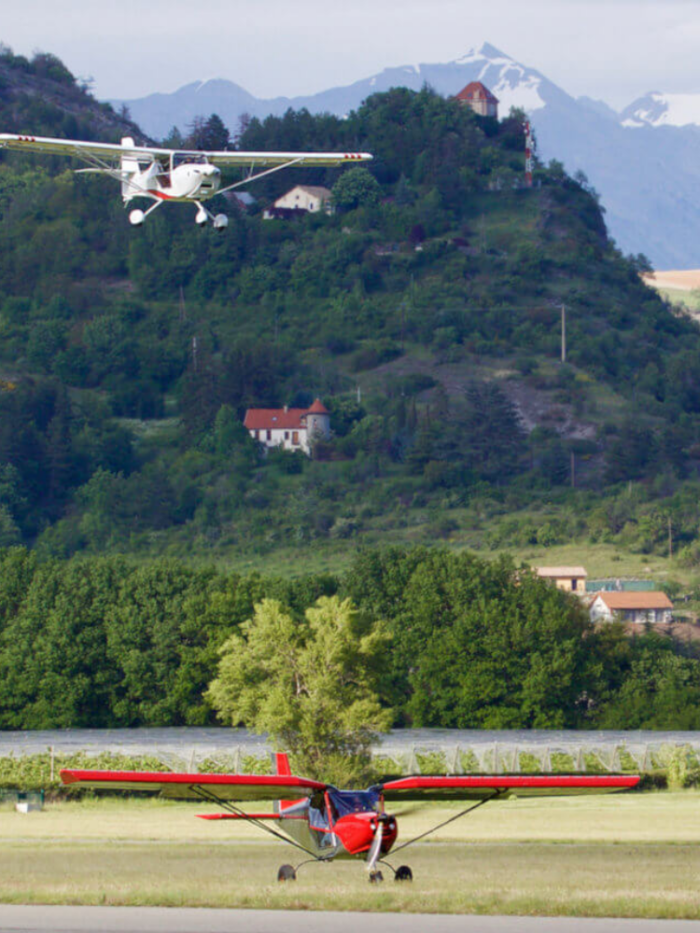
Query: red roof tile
x: 636, y: 600
x: 257, y: 419
x: 318, y: 408
x: 475, y: 90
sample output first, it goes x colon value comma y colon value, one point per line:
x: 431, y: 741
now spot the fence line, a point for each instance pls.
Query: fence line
x: 428, y: 758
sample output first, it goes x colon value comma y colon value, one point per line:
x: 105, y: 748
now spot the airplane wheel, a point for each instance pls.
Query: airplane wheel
x: 376, y: 877
x: 136, y: 218
x: 403, y: 873
x: 220, y: 222
x: 286, y: 873
x: 201, y: 218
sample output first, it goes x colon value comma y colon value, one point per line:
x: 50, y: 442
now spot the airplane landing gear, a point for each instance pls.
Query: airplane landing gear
x: 403, y: 873
x: 202, y: 217
x: 220, y: 222
x: 376, y: 877
x: 136, y: 218
x: 286, y: 873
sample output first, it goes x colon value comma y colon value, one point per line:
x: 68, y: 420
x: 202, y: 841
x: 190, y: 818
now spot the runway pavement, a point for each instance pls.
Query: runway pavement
x: 40, y: 919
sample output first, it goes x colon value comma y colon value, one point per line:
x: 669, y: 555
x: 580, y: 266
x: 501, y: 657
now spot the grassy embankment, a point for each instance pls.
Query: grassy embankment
x: 631, y: 855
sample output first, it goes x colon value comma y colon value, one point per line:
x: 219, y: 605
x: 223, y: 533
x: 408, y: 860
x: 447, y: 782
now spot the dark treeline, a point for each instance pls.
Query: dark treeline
x: 105, y: 642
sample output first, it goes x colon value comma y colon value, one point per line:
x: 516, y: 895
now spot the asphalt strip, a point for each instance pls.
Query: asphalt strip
x: 50, y: 919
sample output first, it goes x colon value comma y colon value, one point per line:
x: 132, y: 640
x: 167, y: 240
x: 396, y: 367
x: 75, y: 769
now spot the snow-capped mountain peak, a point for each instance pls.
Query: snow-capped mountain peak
x: 657, y: 109
x: 512, y: 83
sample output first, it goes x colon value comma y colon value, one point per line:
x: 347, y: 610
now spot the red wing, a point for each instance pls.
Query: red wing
x: 480, y: 786
x: 222, y: 786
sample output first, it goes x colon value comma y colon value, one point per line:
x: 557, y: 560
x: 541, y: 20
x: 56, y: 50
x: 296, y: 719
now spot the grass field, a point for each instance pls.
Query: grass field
x: 626, y: 855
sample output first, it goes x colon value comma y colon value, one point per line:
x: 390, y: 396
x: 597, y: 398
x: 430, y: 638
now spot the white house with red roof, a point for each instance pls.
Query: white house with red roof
x: 290, y: 428
x: 647, y: 606
x: 477, y: 96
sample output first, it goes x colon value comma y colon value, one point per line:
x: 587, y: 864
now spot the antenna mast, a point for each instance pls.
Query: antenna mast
x: 529, y: 146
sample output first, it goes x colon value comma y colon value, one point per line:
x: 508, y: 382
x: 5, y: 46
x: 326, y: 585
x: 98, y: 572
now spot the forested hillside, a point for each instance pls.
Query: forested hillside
x: 468, y: 643
x: 425, y: 313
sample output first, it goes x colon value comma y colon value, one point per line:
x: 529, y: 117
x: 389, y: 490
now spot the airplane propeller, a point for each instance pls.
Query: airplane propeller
x: 375, y: 848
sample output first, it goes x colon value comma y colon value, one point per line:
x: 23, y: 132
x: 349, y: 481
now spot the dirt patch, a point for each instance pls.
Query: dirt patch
x: 535, y: 406
x: 685, y: 280
x: 679, y: 631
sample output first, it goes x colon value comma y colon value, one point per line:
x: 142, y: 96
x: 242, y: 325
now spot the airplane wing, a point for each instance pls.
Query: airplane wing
x: 187, y: 786
x: 482, y: 786
x: 111, y: 151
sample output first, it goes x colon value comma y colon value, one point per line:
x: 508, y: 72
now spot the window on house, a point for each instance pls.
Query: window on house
x: 269, y: 435
x: 286, y: 435
x: 574, y: 584
x: 295, y: 438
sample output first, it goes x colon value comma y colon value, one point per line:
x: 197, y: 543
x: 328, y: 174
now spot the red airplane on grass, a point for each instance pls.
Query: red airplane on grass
x: 327, y: 823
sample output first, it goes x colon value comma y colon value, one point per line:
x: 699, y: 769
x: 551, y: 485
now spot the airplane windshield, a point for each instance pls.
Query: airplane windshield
x: 182, y: 158
x: 346, y: 802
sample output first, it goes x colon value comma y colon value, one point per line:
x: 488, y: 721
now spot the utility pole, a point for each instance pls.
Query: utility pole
x: 670, y: 538
x: 194, y: 353
x: 563, y: 333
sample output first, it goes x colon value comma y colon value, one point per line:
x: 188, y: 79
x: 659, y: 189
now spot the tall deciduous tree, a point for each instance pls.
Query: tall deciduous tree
x: 310, y: 684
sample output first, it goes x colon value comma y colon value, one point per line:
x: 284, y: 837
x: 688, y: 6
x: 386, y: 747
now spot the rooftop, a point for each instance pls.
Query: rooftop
x: 475, y: 90
x: 556, y: 572
x: 648, y: 600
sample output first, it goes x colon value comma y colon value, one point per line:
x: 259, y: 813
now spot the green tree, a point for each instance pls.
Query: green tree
x: 356, y: 188
x: 311, y: 684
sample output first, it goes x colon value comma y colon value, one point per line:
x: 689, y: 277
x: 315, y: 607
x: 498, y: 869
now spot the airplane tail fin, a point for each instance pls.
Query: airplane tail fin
x: 129, y: 166
x: 283, y: 769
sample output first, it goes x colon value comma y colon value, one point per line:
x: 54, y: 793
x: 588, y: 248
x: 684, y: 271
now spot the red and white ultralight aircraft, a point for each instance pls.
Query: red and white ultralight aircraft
x: 327, y: 823
x: 173, y: 175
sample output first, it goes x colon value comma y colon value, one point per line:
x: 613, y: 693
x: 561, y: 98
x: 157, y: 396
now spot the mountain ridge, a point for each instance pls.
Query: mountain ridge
x: 648, y: 212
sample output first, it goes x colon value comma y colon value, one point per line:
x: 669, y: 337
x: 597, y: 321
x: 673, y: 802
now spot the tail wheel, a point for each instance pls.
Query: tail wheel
x: 286, y: 873
x: 403, y: 873
x: 376, y: 877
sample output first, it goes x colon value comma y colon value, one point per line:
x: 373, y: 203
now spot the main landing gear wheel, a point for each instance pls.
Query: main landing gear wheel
x: 220, y: 222
x: 403, y: 873
x: 376, y: 877
x: 201, y: 217
x: 286, y: 873
x: 136, y: 218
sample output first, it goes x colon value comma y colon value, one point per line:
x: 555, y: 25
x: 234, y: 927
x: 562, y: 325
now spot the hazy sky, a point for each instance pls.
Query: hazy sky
x: 612, y: 49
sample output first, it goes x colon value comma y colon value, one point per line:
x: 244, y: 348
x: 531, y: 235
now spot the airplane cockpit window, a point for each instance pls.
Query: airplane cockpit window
x: 189, y: 158
x: 346, y: 802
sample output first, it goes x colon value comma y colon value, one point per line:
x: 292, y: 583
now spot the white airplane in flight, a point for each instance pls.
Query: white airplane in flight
x: 173, y: 175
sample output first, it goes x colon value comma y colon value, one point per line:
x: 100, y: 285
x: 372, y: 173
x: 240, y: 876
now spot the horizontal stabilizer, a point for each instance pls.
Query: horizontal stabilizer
x: 239, y: 816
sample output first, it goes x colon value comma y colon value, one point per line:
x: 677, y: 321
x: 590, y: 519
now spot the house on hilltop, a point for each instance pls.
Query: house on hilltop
x: 308, y: 198
x: 570, y: 579
x: 651, y: 606
x: 477, y: 96
x: 289, y: 428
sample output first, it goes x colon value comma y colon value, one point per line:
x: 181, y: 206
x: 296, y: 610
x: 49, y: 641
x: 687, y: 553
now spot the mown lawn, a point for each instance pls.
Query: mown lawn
x: 635, y: 855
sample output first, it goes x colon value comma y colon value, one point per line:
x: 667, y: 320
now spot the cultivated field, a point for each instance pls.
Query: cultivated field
x: 683, y: 280
x: 627, y: 855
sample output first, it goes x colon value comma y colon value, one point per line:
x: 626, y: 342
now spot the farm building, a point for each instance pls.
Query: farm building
x: 477, y: 96
x: 308, y: 198
x: 654, y: 607
x: 289, y: 428
x: 571, y: 579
